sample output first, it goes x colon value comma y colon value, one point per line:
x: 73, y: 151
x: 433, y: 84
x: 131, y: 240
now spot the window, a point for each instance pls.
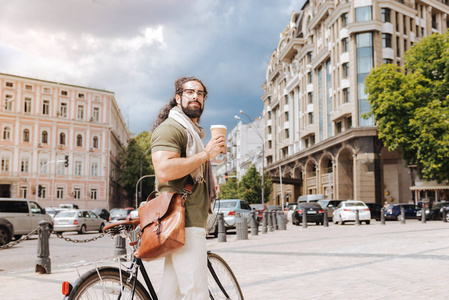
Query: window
x: 386, y: 15
x: 79, y: 140
x: 363, y: 14
x: 287, y: 133
x: 80, y: 115
x: 398, y: 49
x: 6, y: 133
x: 46, y: 107
x: 269, y: 144
x: 286, y: 115
x: 404, y: 24
x: 28, y: 87
x: 27, y: 106
x: 26, y: 135
x: 344, y: 19
x: 269, y: 129
x: 344, y: 45
x: 345, y: 70
x: 95, y: 142
x: 97, y: 98
x: 346, y: 95
x: 310, y: 97
x: 286, y: 99
x: 78, y: 168
x: 387, y: 61
x: 349, y: 121
x: 47, y: 90
x: 23, y: 192
x: 309, y: 57
x: 77, y: 193
x: 64, y: 93
x: 60, y: 193
x: 43, y: 164
x: 386, y: 40
x: 9, y: 84
x: 62, y: 138
x: 8, y: 102
x: 269, y: 115
x: 61, y: 168
x: 338, y: 127
x: 44, y: 137
x: 94, y: 169
x: 434, y: 21
x: 405, y: 45
x: 397, y: 21
x: 43, y: 192
x: 63, y: 110
x: 93, y: 194
x: 5, y: 164
x: 96, y: 114
x: 80, y: 95
x: 24, y: 165
x: 309, y: 77
x: 310, y: 118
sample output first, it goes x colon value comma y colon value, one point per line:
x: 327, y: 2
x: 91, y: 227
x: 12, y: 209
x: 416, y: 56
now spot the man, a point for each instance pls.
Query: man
x: 179, y: 157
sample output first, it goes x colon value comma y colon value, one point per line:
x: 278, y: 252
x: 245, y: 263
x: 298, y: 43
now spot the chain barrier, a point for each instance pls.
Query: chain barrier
x: 23, y: 238
x: 60, y: 236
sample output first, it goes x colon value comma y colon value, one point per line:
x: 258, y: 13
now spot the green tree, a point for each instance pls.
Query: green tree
x: 130, y: 159
x: 230, y: 190
x: 250, y: 187
x: 411, y: 106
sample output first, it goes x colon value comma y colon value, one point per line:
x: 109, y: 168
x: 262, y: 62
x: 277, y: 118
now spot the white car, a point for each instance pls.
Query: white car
x: 346, y: 210
x: 77, y: 220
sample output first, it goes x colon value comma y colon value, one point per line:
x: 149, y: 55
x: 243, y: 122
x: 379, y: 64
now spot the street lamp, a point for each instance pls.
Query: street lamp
x: 263, y: 152
x: 141, y: 166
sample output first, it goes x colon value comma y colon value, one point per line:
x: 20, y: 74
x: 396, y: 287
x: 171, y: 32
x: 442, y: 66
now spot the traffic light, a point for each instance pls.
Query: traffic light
x: 226, y: 176
x: 39, y: 190
x: 66, y: 163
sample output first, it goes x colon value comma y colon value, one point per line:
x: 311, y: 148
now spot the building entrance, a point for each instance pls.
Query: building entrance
x: 5, y: 191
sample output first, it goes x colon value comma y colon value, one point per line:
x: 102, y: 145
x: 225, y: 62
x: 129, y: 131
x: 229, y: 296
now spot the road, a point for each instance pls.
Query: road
x: 392, y: 261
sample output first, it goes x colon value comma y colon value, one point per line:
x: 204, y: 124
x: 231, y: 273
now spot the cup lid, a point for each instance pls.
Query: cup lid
x: 218, y: 126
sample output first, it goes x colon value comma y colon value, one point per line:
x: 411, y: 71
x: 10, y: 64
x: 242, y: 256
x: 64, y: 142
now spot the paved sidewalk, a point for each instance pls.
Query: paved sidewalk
x: 394, y: 261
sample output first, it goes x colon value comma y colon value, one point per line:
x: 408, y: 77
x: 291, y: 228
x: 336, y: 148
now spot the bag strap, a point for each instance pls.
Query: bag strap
x: 186, y: 191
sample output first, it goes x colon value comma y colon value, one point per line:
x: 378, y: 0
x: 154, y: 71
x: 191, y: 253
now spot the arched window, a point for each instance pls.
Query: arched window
x: 95, y: 142
x: 6, y: 133
x: 26, y: 135
x: 62, y: 138
x: 44, y: 137
x: 79, y: 140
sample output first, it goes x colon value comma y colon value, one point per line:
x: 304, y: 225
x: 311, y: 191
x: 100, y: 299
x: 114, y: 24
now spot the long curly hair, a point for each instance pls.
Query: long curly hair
x: 163, y: 113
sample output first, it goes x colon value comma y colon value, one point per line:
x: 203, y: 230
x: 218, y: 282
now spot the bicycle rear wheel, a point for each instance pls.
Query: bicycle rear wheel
x: 106, y: 283
x: 221, y: 280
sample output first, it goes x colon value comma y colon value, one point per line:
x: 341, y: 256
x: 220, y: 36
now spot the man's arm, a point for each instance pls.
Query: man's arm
x: 169, y: 165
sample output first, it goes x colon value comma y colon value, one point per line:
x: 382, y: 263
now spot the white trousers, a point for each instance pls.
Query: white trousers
x: 185, y: 271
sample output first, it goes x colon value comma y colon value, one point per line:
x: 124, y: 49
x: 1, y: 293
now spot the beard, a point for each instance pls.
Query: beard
x: 192, y: 112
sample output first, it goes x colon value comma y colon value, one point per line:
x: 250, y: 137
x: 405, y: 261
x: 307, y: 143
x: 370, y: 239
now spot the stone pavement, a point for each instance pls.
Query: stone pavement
x: 392, y: 261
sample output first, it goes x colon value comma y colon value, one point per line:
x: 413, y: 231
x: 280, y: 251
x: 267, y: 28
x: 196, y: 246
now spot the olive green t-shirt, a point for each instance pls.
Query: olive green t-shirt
x: 171, y: 136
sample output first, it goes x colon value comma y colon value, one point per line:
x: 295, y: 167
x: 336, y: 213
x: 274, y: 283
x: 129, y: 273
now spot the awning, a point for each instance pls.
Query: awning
x: 430, y: 187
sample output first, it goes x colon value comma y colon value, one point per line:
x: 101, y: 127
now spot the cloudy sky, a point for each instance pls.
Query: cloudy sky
x: 137, y: 48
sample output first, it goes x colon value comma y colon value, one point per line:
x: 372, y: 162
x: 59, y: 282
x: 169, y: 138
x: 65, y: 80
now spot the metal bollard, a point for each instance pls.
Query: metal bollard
x: 382, y: 216
x: 357, y: 217
x: 120, y: 245
x: 221, y: 228
x: 275, y: 221
x: 444, y: 214
x: 304, y: 219
x: 270, y: 222
x: 402, y: 215
x: 238, y: 226
x: 264, y: 221
x: 43, y: 261
x: 281, y: 221
x: 423, y: 215
x: 325, y: 219
x: 254, y: 227
x: 244, y: 233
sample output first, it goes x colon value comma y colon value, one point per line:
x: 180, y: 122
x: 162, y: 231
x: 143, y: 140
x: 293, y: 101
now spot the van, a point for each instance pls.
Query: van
x: 23, y: 214
x: 68, y: 206
x: 310, y: 198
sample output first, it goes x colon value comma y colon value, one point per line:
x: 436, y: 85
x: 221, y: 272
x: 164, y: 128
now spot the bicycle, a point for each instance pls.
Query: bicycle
x: 109, y: 282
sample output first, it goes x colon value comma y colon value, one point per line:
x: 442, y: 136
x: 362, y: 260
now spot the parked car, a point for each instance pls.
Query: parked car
x: 212, y: 224
x: 23, y: 214
x: 331, y: 205
x: 6, y: 231
x: 52, y: 211
x: 102, y: 213
x: 310, y: 198
x: 436, y: 213
x: 274, y: 207
x: 134, y: 214
x: 290, y: 208
x: 77, y: 220
x: 313, y: 211
x: 259, y: 209
x: 346, y: 211
x: 119, y: 214
x: 393, y: 212
x: 68, y: 206
x: 375, y: 209
x: 229, y: 207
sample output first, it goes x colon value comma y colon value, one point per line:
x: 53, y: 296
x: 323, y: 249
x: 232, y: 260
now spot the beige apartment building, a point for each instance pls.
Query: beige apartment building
x: 59, y: 143
x: 314, y: 99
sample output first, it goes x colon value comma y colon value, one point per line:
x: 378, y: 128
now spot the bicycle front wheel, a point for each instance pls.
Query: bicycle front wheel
x: 222, y: 282
x: 107, y: 283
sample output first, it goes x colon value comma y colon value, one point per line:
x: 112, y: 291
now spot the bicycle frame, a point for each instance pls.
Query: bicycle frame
x: 139, y: 264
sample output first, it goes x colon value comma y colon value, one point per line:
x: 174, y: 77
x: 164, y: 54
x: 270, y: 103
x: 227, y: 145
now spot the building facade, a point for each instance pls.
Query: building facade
x: 314, y: 99
x: 59, y: 143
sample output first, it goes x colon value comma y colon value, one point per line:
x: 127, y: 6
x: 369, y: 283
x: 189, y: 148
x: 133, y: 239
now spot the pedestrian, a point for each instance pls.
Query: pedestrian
x: 179, y: 157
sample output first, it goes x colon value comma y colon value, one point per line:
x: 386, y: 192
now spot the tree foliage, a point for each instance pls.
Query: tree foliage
x: 230, y: 190
x: 411, y: 106
x: 129, y: 160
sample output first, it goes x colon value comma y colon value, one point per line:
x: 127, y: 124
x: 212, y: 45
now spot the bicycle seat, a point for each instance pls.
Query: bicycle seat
x: 117, y: 227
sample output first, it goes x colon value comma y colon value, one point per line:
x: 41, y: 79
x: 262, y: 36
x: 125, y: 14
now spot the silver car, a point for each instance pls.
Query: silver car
x: 77, y: 220
x: 229, y: 208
